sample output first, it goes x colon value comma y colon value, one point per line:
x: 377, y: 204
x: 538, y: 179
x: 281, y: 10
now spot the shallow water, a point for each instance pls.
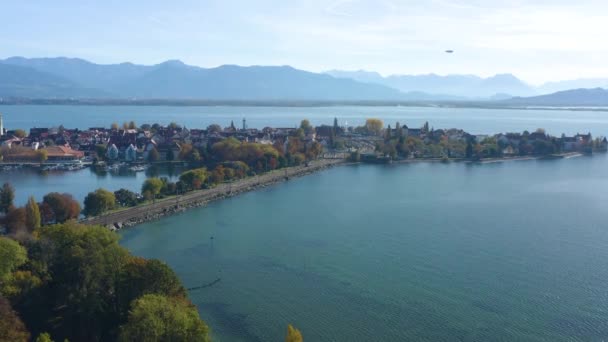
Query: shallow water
x: 505, y: 251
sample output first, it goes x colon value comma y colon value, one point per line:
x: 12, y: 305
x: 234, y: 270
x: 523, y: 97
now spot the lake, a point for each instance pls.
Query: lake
x: 447, y: 252
x: 512, y: 251
x: 473, y: 120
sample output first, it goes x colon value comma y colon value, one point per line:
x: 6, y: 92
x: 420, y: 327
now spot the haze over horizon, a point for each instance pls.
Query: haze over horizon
x: 536, y: 40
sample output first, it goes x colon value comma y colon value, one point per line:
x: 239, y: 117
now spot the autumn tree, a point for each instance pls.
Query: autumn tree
x: 11, y: 327
x: 194, y: 179
x: 159, y: 318
x: 32, y: 214
x: 153, y: 155
x: 7, y: 196
x: 293, y: 334
x: 98, y: 202
x: 63, y: 206
x: 114, y: 126
x: 42, y: 155
x: 374, y: 126
x: 16, y: 221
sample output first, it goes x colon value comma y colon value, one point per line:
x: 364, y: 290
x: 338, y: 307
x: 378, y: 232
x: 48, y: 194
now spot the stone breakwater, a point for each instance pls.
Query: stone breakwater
x: 170, y: 206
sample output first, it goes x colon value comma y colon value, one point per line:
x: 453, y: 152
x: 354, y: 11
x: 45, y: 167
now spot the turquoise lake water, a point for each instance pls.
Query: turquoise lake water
x: 512, y: 251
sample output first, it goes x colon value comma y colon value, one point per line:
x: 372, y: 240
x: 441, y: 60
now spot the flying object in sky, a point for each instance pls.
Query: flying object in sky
x: 449, y: 51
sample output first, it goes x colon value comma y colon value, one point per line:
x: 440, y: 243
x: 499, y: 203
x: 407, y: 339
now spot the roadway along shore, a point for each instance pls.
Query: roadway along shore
x: 169, y: 206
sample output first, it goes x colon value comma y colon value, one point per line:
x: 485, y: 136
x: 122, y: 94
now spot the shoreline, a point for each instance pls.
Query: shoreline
x: 148, y: 212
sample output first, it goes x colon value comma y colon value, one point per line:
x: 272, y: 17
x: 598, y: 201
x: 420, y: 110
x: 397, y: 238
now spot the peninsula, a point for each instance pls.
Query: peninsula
x: 224, y: 161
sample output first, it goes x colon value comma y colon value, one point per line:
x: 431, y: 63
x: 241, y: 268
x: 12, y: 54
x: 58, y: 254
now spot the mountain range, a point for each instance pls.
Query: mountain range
x: 73, y: 78
x: 465, y: 86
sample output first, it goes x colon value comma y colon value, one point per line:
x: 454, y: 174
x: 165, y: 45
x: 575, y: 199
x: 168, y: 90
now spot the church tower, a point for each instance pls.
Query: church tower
x: 1, y: 125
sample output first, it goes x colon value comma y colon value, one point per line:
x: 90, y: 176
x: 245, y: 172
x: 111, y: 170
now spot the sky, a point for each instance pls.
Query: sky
x: 536, y: 40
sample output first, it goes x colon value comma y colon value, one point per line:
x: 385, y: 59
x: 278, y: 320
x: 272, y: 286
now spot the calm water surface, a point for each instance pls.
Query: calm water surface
x: 511, y: 251
x: 479, y: 121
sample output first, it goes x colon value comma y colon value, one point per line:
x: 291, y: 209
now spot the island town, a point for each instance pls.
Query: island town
x: 132, y: 146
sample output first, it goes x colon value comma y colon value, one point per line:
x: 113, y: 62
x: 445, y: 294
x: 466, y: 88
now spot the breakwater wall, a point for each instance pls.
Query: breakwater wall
x: 129, y: 217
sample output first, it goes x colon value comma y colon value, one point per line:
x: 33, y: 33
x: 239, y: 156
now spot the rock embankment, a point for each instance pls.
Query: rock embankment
x: 170, y: 206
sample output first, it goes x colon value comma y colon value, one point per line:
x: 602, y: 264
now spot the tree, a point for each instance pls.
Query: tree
x: 305, y: 125
x: 98, y: 202
x: 132, y: 125
x: 63, y: 206
x: 7, y: 195
x: 374, y: 126
x: 125, y: 198
x: 114, y: 126
x: 293, y: 334
x: 19, y: 133
x: 42, y: 155
x: 159, y: 318
x: 44, y: 337
x: 12, y: 255
x: 11, y: 327
x: 140, y: 276
x: 101, y: 151
x: 214, y: 128
x: 425, y: 127
x: 82, y: 263
x: 32, y: 214
x: 16, y: 221
x: 153, y: 155
x: 194, y: 179
x: 152, y: 186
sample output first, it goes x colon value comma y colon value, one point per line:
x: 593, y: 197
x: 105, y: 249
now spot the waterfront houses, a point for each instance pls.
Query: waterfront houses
x: 165, y: 143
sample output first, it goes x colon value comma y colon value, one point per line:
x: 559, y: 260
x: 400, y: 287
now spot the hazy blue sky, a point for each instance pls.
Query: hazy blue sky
x: 537, y: 40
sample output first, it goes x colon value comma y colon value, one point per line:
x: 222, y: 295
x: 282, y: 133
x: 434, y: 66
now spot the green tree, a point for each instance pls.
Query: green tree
x: 126, y: 198
x: 305, y: 125
x: 12, y: 255
x: 44, y: 337
x: 62, y: 206
x: 141, y: 276
x: 132, y: 125
x: 7, y: 195
x: 214, y: 128
x: 152, y: 186
x: 82, y: 264
x: 159, y: 318
x: 293, y: 334
x: 32, y: 213
x: 101, y: 151
x: 98, y: 202
x: 194, y: 179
